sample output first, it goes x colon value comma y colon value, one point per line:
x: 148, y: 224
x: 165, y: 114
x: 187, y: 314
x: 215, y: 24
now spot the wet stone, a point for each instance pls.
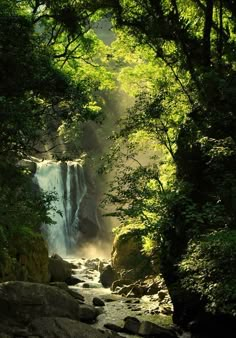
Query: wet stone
x: 113, y: 327
x: 132, y: 325
x: 98, y: 302
x: 86, y: 286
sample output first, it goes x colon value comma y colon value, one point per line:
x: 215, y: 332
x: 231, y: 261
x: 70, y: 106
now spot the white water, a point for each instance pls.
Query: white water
x: 67, y: 180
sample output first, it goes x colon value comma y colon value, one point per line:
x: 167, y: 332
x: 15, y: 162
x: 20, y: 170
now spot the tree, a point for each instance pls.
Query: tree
x: 195, y: 41
x: 44, y: 47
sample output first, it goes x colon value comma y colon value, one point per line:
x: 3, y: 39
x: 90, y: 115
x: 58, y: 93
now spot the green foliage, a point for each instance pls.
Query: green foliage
x: 208, y: 268
x: 49, y: 71
x: 173, y: 155
x: 128, y: 229
x: 23, y: 207
x: 149, y: 245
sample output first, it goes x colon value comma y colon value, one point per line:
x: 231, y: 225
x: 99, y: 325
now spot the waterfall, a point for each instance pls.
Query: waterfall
x: 67, y: 180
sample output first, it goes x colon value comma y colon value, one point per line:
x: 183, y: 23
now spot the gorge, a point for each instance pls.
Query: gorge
x: 145, y: 93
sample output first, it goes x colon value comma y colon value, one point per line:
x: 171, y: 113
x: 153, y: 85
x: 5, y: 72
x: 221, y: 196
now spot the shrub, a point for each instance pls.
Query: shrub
x: 209, y: 269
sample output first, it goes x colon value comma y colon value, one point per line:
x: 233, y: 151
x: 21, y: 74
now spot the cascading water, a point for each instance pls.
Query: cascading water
x: 67, y: 180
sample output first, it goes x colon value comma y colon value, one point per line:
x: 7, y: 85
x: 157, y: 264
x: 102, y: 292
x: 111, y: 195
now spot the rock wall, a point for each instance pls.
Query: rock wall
x: 28, y: 261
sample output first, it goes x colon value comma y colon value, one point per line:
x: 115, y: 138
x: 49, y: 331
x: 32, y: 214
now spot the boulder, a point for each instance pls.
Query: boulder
x: 98, y: 302
x: 127, y: 253
x: 35, y: 260
x: 147, y: 329
x: 24, y: 301
x: 131, y: 274
x: 88, y: 313
x: 64, y: 328
x: 108, y: 276
x: 113, y: 327
x: 73, y: 293
x: 28, y: 261
x: 132, y: 325
x: 138, y: 291
x: 71, y: 280
x: 60, y: 285
x: 59, y: 270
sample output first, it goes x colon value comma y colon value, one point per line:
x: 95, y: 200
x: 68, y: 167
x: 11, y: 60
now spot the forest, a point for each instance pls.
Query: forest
x: 168, y: 161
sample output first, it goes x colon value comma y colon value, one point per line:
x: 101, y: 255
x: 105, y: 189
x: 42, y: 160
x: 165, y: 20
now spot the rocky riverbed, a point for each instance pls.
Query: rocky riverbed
x: 85, y: 308
x: 145, y: 300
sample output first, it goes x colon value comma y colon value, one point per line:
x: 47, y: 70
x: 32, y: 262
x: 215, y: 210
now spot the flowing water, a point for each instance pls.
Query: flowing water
x: 66, y: 180
x: 116, y: 306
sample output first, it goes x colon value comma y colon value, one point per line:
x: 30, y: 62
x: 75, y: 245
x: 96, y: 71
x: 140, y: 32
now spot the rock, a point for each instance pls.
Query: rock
x: 73, y: 293
x: 155, y: 263
x: 88, y: 215
x: 98, y: 302
x: 88, y: 313
x: 29, y: 262
x: 73, y: 266
x: 147, y: 328
x: 107, y: 276
x: 132, y: 301
x: 101, y: 266
x: 92, y: 264
x: 166, y: 310
x: 71, y: 280
x: 59, y: 269
x: 131, y: 274
x: 162, y: 294
x: 9, y: 327
x: 120, y: 283
x: 127, y: 253
x: 29, y: 165
x: 109, y: 300
x: 76, y: 295
x: 138, y: 291
x: 24, y: 301
x: 131, y: 325
x: 125, y: 290
x: 35, y: 260
x: 153, y: 289
x: 64, y: 328
x: 110, y: 334
x: 86, y: 286
x: 60, y: 285
x: 113, y: 327
x: 136, y: 309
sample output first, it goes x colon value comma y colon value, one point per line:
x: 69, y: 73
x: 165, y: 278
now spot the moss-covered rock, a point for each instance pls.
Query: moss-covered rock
x: 28, y: 261
x: 127, y: 255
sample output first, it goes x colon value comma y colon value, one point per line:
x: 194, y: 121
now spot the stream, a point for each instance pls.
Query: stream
x: 116, y: 307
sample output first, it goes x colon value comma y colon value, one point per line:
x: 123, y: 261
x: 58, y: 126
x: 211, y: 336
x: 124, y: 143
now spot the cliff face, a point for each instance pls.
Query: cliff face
x: 27, y: 261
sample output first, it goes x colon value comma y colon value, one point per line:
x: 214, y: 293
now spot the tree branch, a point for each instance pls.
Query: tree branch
x: 206, y: 53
